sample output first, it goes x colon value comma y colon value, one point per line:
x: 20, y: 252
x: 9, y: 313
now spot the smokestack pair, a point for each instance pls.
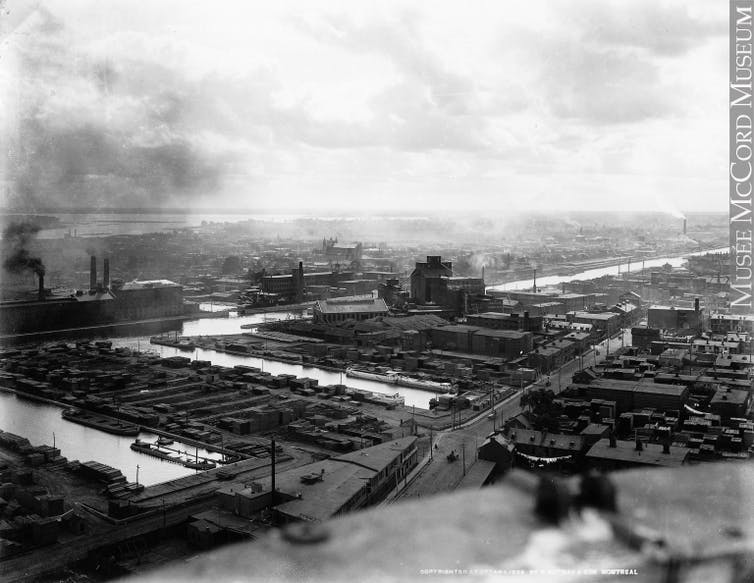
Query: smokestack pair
x: 93, y: 274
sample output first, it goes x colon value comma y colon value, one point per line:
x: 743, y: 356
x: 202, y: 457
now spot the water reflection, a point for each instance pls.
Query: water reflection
x: 42, y: 424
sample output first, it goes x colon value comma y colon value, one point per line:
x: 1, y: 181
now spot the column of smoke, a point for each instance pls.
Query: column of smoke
x: 16, y: 239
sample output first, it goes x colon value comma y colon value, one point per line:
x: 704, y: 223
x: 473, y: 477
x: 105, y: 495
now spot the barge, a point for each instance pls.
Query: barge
x: 389, y: 377
x: 179, y: 344
x: 393, y: 378
x: 424, y: 384
x: 114, y: 426
x: 151, y: 449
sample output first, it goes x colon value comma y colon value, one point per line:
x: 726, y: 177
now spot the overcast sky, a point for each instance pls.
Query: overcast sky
x: 345, y: 106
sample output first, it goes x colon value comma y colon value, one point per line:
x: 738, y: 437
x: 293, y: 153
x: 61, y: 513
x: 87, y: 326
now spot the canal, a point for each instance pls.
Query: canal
x: 38, y: 422
x: 41, y: 423
x: 232, y: 325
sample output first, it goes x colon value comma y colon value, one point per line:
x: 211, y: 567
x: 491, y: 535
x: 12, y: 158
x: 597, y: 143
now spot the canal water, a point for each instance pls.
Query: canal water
x: 601, y: 272
x: 41, y: 423
x: 232, y: 325
x: 38, y: 421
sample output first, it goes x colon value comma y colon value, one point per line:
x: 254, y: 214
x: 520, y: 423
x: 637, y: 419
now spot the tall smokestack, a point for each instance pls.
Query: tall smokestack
x: 41, y: 286
x: 684, y: 226
x: 106, y: 274
x: 535, y: 281
x: 93, y: 273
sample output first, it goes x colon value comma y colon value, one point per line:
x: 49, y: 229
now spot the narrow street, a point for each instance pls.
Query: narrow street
x: 440, y: 475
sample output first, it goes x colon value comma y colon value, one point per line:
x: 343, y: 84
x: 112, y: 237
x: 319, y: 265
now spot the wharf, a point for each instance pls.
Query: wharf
x: 195, y: 485
x: 137, y: 327
x: 278, y: 308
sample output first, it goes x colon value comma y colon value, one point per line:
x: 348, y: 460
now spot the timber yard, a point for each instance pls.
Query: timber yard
x: 156, y: 419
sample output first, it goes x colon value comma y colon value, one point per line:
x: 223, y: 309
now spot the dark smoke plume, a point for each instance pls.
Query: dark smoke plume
x: 16, y: 238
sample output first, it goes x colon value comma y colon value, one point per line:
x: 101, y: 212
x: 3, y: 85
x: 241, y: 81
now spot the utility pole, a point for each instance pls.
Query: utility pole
x: 137, y: 474
x: 431, y: 446
x: 272, y: 460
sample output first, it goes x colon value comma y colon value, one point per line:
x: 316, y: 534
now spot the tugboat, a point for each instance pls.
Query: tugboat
x: 199, y: 465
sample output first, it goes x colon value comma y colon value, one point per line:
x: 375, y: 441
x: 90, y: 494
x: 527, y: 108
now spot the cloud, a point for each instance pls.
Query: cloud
x: 97, y: 132
x: 186, y: 105
x: 430, y: 107
x: 666, y: 29
x: 602, y: 86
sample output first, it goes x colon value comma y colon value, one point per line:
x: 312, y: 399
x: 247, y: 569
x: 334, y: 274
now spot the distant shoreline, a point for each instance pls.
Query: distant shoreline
x: 307, y: 213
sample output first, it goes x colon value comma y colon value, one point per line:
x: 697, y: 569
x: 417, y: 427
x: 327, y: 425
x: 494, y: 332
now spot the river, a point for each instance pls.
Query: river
x: 675, y: 261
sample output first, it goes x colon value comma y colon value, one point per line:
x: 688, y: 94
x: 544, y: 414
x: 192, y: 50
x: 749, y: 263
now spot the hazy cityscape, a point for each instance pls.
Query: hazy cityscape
x: 306, y: 292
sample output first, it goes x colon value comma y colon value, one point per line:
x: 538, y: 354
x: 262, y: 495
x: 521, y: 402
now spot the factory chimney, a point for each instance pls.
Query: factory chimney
x: 41, y: 286
x: 106, y: 274
x: 299, y: 279
x: 684, y: 226
x: 535, y: 281
x: 93, y: 274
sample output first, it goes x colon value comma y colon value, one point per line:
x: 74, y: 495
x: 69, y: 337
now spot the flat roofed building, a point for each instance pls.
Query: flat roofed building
x: 318, y: 491
x: 626, y: 454
x: 544, y: 444
x: 337, y: 310
x: 721, y: 323
x: 729, y: 403
x: 673, y: 318
x: 630, y: 395
x: 503, y: 321
x: 606, y: 322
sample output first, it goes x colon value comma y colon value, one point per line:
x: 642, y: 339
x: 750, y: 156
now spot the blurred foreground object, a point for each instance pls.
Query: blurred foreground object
x: 687, y: 524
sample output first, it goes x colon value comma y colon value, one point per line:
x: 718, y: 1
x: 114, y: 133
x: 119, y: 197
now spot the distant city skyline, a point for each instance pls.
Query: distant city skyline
x: 355, y: 107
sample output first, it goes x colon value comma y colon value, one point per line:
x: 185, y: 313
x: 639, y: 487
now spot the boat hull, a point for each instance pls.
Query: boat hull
x: 372, y: 376
x: 102, y: 423
x: 424, y: 385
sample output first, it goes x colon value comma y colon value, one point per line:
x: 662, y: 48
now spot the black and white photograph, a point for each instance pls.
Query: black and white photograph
x: 333, y: 291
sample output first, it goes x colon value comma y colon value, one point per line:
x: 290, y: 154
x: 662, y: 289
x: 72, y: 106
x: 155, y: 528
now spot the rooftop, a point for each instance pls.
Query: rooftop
x: 369, y: 305
x: 651, y: 453
x: 344, y: 476
x: 732, y: 396
x: 545, y: 439
x: 146, y: 284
